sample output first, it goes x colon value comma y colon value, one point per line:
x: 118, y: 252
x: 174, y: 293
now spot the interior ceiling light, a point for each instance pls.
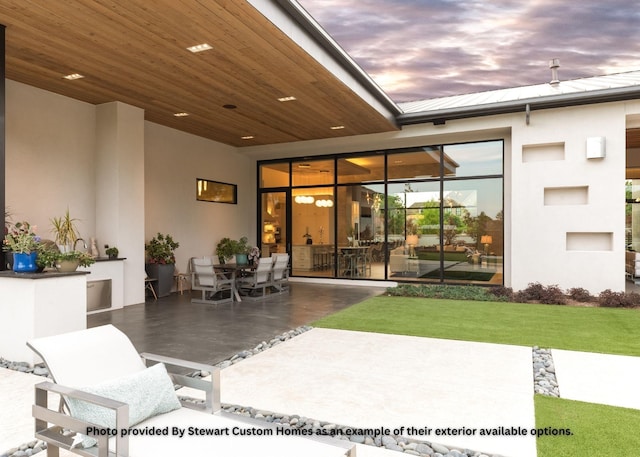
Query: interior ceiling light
x: 290, y: 98
x: 304, y: 165
x: 324, y: 203
x: 304, y: 199
x: 337, y: 127
x: 73, y: 76
x: 200, y: 47
x: 247, y: 137
x: 182, y: 114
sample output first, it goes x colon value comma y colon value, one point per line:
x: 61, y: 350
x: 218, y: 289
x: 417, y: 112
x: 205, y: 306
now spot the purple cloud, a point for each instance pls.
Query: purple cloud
x: 423, y: 49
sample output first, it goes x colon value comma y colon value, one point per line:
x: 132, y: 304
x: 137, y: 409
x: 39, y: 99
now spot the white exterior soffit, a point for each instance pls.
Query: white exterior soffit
x: 598, y: 89
x: 290, y: 17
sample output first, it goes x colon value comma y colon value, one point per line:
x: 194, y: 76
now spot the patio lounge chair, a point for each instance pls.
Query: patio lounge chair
x: 280, y: 272
x: 258, y: 279
x: 99, y: 366
x: 216, y: 287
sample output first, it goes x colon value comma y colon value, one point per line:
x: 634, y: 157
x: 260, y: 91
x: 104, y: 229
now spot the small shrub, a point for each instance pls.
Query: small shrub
x: 634, y: 298
x: 611, y: 299
x: 549, y: 295
x: 533, y: 292
x: 553, y: 295
x: 520, y: 297
x: 448, y: 292
x: 580, y: 294
x: 502, y: 292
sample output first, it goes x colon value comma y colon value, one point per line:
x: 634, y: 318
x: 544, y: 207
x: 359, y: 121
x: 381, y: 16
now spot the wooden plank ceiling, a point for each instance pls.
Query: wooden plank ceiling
x: 134, y: 51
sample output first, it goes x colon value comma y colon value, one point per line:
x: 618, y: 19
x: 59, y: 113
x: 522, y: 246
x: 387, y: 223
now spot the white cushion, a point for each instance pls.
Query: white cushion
x: 148, y: 393
x: 105, y: 353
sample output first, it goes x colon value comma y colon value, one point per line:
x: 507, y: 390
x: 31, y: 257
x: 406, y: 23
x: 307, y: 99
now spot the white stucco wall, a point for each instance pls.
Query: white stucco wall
x: 573, y: 240
x: 173, y: 162
x: 56, y: 159
x: 50, y: 141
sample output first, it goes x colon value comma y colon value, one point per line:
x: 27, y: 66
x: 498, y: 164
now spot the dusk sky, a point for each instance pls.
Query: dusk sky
x: 419, y: 49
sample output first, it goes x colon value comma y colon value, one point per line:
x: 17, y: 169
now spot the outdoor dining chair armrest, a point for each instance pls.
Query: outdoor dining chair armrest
x: 210, y: 388
x: 53, y: 435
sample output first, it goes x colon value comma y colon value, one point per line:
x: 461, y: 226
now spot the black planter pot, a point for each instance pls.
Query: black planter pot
x: 164, y: 275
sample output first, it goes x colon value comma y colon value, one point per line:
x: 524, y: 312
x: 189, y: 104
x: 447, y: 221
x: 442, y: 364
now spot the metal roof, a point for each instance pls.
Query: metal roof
x: 598, y: 89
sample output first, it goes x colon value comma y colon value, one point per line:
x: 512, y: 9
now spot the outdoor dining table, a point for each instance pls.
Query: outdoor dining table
x: 353, y: 255
x: 233, y: 269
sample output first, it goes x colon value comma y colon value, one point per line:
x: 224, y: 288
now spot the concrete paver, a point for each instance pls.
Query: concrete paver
x: 372, y: 380
x: 598, y: 378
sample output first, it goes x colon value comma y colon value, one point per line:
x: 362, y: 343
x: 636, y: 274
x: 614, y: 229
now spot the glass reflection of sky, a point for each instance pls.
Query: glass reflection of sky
x: 477, y: 159
x: 488, y: 194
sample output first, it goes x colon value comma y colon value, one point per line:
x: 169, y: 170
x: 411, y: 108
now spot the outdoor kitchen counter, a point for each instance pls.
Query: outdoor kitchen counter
x: 39, y: 304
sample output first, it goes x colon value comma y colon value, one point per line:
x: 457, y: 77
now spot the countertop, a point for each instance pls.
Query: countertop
x: 43, y: 275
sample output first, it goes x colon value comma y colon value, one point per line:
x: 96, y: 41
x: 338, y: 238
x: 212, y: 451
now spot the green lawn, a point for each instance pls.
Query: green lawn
x: 603, y: 330
x: 597, y: 430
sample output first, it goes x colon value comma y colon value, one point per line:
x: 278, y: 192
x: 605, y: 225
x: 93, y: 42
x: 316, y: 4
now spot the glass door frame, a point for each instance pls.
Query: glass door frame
x: 287, y: 216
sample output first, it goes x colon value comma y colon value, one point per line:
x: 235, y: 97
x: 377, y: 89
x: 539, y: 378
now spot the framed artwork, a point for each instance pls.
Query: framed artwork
x: 216, y: 192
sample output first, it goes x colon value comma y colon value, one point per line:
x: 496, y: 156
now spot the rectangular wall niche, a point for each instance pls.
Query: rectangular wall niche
x: 542, y: 152
x: 559, y: 196
x: 589, y: 241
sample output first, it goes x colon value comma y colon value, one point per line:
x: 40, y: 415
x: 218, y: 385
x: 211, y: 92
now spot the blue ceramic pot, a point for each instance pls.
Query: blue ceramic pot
x: 242, y: 259
x: 25, y: 263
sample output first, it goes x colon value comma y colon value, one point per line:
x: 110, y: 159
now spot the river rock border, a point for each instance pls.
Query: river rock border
x: 544, y: 373
x: 544, y: 383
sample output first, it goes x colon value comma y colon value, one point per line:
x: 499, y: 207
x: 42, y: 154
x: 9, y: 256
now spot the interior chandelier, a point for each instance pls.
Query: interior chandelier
x: 304, y: 199
x: 322, y: 203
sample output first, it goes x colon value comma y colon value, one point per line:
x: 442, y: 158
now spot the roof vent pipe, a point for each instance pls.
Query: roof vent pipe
x: 554, y: 64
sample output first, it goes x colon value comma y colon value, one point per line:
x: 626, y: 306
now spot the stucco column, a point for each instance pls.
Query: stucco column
x: 120, y: 190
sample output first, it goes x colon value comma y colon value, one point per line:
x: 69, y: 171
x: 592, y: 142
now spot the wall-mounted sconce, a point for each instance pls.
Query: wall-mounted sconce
x: 596, y: 147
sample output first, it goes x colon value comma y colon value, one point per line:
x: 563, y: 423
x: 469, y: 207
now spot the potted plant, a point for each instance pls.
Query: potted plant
x: 47, y: 255
x: 161, y: 261
x: 242, y: 251
x: 65, y: 231
x: 308, y: 236
x: 22, y: 241
x: 227, y: 248
x: 112, y: 253
x: 70, y: 261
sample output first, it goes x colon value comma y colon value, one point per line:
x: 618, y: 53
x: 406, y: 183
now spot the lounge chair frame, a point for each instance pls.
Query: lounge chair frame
x: 58, y: 429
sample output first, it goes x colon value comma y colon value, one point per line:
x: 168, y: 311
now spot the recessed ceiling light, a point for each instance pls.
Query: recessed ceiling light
x: 304, y: 165
x: 337, y: 127
x: 200, y: 47
x: 180, y: 114
x: 247, y: 137
x: 229, y: 106
x: 73, y: 76
x: 290, y: 98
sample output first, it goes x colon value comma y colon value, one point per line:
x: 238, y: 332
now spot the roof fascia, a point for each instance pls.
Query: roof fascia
x: 310, y: 26
x: 515, y: 106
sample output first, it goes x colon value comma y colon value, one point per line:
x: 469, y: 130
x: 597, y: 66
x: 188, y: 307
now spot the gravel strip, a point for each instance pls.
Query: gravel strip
x: 544, y: 373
